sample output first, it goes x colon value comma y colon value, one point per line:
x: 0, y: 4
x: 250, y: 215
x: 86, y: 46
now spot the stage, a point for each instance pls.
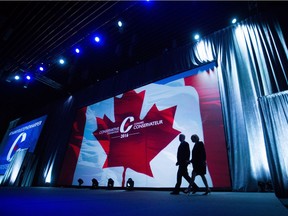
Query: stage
x: 84, y: 201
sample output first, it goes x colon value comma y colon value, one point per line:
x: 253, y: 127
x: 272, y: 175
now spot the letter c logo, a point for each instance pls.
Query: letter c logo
x: 122, y: 126
x: 23, y: 137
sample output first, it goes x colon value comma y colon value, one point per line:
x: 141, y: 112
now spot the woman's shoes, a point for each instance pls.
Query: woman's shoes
x: 207, y: 192
x: 190, y: 189
x: 194, y: 190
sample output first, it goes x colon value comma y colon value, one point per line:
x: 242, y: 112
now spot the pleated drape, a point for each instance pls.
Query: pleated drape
x: 275, y: 120
x: 252, y: 59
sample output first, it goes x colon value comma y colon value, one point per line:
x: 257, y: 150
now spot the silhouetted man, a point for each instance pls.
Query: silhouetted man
x: 183, y: 157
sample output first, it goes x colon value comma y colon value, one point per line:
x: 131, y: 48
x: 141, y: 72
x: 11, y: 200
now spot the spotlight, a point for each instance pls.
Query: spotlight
x: 28, y: 77
x: 80, y: 181
x: 61, y: 61
x: 234, y: 21
x: 41, y: 68
x: 77, y: 50
x: 16, y: 77
x: 97, y: 39
x: 120, y: 24
x: 110, y: 184
x: 130, y: 184
x: 94, y: 183
x: 265, y: 186
x: 196, y: 36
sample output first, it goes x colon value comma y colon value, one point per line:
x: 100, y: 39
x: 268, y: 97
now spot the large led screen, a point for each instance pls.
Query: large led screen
x: 24, y: 136
x: 136, y: 134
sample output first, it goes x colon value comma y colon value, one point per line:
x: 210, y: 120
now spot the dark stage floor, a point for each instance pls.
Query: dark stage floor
x: 75, y: 201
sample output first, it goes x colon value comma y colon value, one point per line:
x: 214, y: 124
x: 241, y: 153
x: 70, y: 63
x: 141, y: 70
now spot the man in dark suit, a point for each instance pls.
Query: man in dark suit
x: 183, y: 159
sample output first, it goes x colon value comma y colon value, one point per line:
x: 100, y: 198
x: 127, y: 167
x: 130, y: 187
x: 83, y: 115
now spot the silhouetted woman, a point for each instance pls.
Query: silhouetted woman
x: 199, y: 162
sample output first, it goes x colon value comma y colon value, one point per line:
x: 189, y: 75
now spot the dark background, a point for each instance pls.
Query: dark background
x: 35, y: 32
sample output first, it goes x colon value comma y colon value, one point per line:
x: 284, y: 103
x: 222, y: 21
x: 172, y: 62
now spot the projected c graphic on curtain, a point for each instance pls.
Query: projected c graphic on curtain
x: 135, y: 134
x: 24, y: 136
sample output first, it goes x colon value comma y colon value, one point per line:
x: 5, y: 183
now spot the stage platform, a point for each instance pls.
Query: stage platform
x: 83, y: 201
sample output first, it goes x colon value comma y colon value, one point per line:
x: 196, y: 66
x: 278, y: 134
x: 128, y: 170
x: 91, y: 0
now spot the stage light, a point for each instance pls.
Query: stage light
x: 41, y: 68
x: 265, y: 186
x: 97, y: 39
x: 110, y: 183
x: 61, y: 61
x: 120, y: 24
x: 80, y: 182
x: 130, y: 184
x: 196, y: 36
x: 94, y: 183
x: 16, y: 77
x: 234, y: 21
x: 27, y: 80
x: 77, y: 50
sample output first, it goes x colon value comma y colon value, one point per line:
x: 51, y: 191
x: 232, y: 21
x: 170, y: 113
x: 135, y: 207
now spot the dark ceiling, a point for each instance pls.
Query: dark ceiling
x: 35, y: 32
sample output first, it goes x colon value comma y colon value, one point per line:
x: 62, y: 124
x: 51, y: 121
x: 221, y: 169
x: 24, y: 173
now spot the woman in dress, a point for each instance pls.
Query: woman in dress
x: 199, y: 163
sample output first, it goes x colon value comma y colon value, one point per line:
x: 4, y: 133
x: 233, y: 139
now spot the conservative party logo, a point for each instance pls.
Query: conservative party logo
x: 24, y: 136
x: 125, y: 141
x: 14, y: 147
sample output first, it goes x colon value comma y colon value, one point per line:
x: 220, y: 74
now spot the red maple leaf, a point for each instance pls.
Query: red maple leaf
x: 132, y: 142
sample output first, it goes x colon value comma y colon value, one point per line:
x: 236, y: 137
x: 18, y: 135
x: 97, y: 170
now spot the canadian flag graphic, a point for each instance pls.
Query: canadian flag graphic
x: 151, y: 118
x: 136, y: 134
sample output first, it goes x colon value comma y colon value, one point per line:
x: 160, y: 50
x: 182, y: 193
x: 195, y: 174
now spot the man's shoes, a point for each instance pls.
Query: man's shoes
x: 174, y: 193
x: 195, y: 188
x: 188, y: 190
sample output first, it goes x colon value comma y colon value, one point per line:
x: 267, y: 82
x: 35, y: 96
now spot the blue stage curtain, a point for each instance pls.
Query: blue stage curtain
x: 275, y: 120
x: 11, y: 176
x: 252, y: 59
x: 53, y: 142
